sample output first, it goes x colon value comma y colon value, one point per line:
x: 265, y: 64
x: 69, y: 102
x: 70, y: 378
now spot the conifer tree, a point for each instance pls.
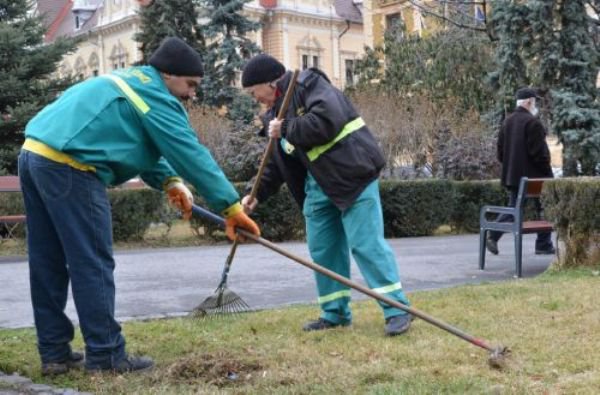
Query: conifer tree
x: 166, y: 18
x: 550, y: 44
x: 576, y: 113
x: 27, y: 83
x: 229, y: 46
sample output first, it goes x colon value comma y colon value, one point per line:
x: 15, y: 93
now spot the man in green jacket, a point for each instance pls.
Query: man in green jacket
x: 98, y: 133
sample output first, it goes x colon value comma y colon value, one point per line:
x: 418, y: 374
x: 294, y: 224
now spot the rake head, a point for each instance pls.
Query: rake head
x: 223, y: 301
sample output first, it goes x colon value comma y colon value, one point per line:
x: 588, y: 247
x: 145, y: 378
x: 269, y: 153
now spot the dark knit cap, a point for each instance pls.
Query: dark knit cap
x: 175, y: 57
x: 260, y: 69
x: 526, y: 93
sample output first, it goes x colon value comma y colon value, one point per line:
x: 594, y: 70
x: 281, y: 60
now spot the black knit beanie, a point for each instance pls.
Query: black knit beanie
x: 175, y: 57
x: 260, y: 69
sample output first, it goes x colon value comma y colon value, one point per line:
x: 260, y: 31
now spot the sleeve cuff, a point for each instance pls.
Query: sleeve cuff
x: 170, y: 180
x: 232, y: 210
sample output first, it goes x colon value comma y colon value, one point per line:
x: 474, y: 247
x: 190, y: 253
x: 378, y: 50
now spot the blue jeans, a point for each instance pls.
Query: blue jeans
x: 69, y: 238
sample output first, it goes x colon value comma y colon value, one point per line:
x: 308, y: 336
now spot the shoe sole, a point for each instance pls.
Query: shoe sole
x: 402, y: 330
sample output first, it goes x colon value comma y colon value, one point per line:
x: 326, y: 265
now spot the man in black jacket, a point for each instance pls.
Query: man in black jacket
x: 523, y: 152
x: 330, y: 161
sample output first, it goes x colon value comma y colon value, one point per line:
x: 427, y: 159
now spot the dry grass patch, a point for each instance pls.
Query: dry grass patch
x: 550, y: 323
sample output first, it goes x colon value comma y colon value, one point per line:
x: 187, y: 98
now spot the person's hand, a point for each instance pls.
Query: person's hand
x: 240, y: 220
x: 181, y: 198
x: 275, y: 128
x: 249, y: 204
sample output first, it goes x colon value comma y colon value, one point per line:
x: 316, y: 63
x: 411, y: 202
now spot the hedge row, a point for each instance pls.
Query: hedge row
x: 411, y: 208
x: 573, y: 205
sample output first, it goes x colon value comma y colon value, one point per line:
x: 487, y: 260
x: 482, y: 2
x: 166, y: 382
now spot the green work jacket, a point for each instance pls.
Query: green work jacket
x: 127, y: 124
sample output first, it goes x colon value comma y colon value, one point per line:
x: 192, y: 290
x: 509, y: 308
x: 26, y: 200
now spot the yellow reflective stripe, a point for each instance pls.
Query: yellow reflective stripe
x: 350, y: 127
x: 388, y: 288
x: 47, y: 152
x: 135, y: 99
x: 232, y: 210
x: 334, y: 296
x: 170, y: 180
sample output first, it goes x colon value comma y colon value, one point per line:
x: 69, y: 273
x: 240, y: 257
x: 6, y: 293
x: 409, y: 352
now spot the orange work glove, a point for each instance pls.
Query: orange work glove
x: 181, y: 198
x: 240, y: 220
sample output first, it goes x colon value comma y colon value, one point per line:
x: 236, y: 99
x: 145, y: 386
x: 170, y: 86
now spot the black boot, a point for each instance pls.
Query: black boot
x: 74, y: 361
x: 321, y: 324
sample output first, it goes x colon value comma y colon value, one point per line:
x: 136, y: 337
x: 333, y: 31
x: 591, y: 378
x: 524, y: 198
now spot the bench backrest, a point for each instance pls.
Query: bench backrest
x: 10, y: 184
x: 529, y: 188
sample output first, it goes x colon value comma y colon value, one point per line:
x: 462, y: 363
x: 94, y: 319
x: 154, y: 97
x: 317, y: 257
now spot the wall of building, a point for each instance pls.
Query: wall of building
x: 298, y: 33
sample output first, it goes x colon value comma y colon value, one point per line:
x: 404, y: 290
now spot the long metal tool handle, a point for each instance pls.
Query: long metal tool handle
x: 202, y: 212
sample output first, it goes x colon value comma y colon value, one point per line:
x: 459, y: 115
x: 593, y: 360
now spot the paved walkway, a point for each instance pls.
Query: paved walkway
x: 170, y: 282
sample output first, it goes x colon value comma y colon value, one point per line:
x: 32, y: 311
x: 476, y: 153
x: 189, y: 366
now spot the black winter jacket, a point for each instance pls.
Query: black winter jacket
x: 522, y: 148
x: 317, y: 113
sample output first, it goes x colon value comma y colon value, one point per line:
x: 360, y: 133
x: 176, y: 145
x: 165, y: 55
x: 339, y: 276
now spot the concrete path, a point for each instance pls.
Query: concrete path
x: 171, y: 282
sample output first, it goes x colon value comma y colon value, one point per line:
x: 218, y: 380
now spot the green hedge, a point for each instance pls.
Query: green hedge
x: 573, y: 205
x: 134, y: 210
x: 410, y: 208
x: 279, y: 218
x: 11, y: 203
x: 415, y: 208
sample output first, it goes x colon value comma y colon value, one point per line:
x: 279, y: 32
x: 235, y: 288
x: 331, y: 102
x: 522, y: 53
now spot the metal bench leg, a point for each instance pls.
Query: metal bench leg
x: 482, y: 248
x: 518, y: 252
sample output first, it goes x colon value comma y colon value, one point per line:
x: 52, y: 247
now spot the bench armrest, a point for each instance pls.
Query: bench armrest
x: 498, y: 210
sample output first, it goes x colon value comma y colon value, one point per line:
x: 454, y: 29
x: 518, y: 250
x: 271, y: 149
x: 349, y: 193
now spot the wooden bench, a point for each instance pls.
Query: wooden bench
x: 528, y: 188
x: 9, y: 223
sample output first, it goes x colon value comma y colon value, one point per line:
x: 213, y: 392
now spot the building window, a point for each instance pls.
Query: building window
x: 349, y: 63
x: 309, y: 52
x: 77, y: 22
x: 118, y: 57
x: 394, y: 26
x: 306, y: 61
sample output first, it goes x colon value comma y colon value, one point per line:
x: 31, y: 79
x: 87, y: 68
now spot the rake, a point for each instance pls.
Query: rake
x: 224, y: 300
x: 497, y: 357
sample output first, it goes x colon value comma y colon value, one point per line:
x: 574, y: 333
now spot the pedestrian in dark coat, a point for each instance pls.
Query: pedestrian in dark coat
x: 523, y: 152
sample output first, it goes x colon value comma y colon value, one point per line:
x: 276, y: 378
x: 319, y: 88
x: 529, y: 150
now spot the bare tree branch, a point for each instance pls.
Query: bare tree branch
x: 428, y: 10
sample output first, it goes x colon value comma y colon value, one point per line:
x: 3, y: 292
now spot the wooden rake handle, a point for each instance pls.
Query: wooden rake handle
x: 265, y: 158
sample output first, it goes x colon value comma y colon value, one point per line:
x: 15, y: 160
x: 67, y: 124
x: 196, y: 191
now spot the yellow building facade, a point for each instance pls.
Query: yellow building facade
x: 381, y: 16
x: 327, y: 34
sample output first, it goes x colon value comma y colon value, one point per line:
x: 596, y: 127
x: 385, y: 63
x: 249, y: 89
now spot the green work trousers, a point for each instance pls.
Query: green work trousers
x: 333, y: 234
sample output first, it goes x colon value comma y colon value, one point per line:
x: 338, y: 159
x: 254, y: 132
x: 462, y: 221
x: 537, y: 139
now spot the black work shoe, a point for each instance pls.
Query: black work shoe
x: 128, y: 364
x: 75, y: 361
x: 397, y: 324
x: 321, y: 324
x: 545, y: 251
x: 492, y: 246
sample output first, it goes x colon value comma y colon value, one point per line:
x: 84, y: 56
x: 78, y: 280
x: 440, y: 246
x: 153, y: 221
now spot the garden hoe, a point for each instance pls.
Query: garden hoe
x: 224, y: 300
x: 497, y: 356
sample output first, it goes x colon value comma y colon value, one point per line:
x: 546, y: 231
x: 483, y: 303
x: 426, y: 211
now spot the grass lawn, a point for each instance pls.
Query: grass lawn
x: 551, y: 324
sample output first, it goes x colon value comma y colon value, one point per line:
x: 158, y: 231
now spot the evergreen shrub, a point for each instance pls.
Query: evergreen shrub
x: 279, y: 218
x: 133, y: 211
x: 572, y: 204
x: 415, y: 208
x: 468, y: 198
x: 11, y: 203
